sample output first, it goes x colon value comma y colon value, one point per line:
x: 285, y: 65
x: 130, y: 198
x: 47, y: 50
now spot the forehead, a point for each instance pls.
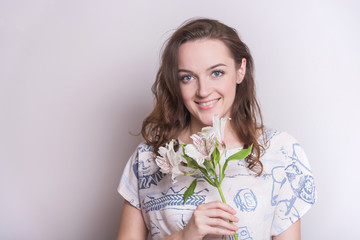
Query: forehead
x: 202, y: 53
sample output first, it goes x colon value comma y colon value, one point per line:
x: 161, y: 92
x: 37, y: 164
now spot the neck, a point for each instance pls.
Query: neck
x: 230, y: 138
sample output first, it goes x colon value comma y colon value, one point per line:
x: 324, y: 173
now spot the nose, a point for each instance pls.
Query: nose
x: 203, y: 87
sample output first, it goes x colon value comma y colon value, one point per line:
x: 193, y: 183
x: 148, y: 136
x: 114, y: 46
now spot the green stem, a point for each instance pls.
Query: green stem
x: 224, y: 148
x: 224, y: 201
x: 220, y: 168
x: 189, y: 174
x: 220, y: 173
x: 216, y: 178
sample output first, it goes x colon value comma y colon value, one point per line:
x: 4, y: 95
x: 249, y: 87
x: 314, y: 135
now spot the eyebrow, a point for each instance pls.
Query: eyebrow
x: 212, y: 67
x: 217, y: 65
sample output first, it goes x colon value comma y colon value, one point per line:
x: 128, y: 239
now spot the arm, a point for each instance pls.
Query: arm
x: 292, y: 233
x: 132, y: 225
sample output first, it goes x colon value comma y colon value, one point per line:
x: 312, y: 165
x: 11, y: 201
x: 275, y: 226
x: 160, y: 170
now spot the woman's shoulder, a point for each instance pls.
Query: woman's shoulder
x: 144, y: 147
x: 142, y: 151
x: 282, y: 149
x: 272, y: 137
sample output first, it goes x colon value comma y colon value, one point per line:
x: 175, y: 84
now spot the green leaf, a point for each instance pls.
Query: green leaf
x: 209, y: 181
x: 191, y: 163
x: 209, y: 167
x: 223, y: 171
x: 190, y: 173
x: 241, y: 154
x: 206, y: 176
x: 236, y: 156
x: 216, y: 156
x: 204, y: 171
x: 190, y: 190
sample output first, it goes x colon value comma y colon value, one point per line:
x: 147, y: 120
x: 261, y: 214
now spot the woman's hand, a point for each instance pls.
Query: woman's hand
x: 210, y: 218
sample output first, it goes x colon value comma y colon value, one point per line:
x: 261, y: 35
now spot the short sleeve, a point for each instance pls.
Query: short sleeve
x: 296, y: 188
x: 128, y: 187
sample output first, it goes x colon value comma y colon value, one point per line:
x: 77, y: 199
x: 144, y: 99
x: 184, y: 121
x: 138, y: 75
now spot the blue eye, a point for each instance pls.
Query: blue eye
x: 217, y: 74
x: 186, y: 78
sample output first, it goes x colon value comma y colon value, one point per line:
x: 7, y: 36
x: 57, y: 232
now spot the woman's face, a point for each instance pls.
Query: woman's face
x: 208, y: 76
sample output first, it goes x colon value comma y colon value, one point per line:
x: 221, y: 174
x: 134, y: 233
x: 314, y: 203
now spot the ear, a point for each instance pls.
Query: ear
x: 241, y: 71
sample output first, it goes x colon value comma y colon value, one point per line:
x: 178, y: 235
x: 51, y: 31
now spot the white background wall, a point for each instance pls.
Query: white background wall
x: 75, y: 79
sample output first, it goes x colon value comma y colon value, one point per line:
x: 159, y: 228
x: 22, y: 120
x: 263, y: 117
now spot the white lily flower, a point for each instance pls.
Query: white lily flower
x: 169, y: 161
x: 218, y: 128
x: 201, y: 150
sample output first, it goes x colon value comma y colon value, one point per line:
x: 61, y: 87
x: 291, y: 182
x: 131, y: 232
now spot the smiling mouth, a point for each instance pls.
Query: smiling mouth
x: 208, y: 103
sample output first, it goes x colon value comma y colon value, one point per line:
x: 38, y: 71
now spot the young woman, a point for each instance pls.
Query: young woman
x: 207, y: 70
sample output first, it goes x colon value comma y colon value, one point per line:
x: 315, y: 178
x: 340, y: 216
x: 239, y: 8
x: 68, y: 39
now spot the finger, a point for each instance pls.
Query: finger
x: 217, y: 204
x: 219, y: 213
x: 218, y: 231
x: 218, y: 222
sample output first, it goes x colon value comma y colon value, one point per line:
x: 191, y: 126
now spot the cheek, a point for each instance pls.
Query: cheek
x: 185, y: 93
x: 229, y: 89
x: 229, y: 94
x: 187, y: 97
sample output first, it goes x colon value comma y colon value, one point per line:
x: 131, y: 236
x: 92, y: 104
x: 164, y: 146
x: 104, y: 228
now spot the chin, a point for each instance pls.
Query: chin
x: 207, y: 121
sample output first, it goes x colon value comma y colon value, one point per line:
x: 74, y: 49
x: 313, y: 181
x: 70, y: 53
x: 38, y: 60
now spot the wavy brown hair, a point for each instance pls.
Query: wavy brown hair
x: 170, y: 115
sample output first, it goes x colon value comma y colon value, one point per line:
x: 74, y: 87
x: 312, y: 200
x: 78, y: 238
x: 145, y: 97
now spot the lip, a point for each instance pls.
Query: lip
x: 206, y: 105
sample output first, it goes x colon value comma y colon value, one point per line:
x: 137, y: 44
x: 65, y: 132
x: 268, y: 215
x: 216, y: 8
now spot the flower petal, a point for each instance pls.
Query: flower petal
x: 222, y: 130
x: 193, y: 152
x: 197, y: 140
x: 162, y: 151
x: 163, y: 164
x: 169, y: 160
x: 206, y: 129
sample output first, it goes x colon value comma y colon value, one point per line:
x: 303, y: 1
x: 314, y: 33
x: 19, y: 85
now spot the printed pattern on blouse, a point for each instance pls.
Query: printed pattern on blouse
x: 266, y: 205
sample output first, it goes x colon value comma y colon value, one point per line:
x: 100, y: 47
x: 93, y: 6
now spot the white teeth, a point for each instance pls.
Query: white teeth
x: 208, y: 103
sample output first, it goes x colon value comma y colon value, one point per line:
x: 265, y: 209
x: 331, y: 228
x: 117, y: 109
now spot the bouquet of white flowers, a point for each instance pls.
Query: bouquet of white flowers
x: 203, y: 155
